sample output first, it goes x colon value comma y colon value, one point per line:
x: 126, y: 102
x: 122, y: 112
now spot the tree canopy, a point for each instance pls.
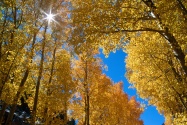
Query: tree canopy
x: 52, y: 61
x: 153, y: 34
x: 50, y: 65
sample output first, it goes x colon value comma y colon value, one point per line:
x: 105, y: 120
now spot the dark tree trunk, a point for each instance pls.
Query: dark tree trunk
x: 3, y: 111
x: 13, y: 108
x: 38, y: 81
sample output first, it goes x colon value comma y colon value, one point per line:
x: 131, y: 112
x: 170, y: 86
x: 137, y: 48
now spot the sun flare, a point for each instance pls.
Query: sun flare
x: 49, y: 17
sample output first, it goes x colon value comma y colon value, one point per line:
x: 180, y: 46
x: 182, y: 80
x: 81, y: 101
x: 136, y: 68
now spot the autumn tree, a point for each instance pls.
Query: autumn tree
x: 86, y: 70
x: 107, y: 103
x: 55, y: 40
x: 22, y: 36
x: 56, y: 89
x: 14, y: 55
x: 162, y: 64
x: 130, y: 24
x: 124, y: 110
x: 154, y: 75
x: 98, y: 100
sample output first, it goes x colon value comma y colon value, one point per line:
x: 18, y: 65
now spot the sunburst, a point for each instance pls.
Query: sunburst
x: 50, y: 17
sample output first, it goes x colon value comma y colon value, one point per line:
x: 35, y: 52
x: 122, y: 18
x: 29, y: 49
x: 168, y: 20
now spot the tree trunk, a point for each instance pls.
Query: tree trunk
x: 38, y: 81
x: 48, y: 89
x: 10, y: 116
x: 3, y: 111
x: 13, y: 108
x: 87, y: 108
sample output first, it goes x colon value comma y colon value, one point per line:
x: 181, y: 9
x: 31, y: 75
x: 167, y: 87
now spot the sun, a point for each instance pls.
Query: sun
x: 50, y: 17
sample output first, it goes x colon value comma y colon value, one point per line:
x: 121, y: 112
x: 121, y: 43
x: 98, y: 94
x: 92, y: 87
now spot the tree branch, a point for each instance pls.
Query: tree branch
x: 184, y: 10
x: 135, y: 30
x: 169, y: 36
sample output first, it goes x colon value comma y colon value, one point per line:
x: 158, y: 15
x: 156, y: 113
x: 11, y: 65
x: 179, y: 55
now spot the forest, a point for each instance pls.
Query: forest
x: 51, y: 74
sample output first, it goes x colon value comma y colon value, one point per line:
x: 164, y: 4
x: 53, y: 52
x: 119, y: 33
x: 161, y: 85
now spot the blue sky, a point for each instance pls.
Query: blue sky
x: 116, y: 71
